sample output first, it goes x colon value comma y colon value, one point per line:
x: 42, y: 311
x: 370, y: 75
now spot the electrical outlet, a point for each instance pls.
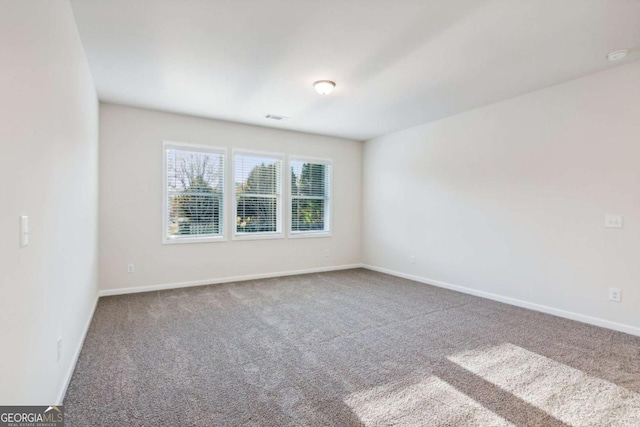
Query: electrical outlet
x: 613, y: 221
x: 326, y: 253
x: 412, y: 259
x: 615, y: 294
x: 59, y: 349
x: 131, y: 268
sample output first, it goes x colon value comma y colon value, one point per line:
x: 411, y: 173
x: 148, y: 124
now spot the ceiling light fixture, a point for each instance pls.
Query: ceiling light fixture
x: 324, y: 87
x: 617, y: 55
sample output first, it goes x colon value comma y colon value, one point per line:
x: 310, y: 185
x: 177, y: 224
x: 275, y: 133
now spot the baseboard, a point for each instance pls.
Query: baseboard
x: 514, y: 301
x: 76, y: 356
x: 137, y: 289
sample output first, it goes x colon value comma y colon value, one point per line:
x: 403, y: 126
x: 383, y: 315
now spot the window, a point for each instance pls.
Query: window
x: 258, y: 195
x: 194, y: 193
x: 310, y: 197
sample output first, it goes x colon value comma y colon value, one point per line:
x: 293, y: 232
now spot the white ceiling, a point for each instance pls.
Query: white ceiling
x: 396, y: 63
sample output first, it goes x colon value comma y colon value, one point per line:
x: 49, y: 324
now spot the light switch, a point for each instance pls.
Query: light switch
x: 613, y: 221
x: 24, y: 231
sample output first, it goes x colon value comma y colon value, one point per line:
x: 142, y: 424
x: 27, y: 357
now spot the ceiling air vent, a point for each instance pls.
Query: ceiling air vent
x: 275, y: 117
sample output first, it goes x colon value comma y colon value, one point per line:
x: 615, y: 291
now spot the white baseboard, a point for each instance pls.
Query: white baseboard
x: 149, y: 288
x: 633, y: 330
x: 76, y: 356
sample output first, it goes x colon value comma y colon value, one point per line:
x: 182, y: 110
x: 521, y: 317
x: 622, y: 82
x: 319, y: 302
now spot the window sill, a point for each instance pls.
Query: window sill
x: 309, y: 234
x: 182, y: 240
x: 258, y: 236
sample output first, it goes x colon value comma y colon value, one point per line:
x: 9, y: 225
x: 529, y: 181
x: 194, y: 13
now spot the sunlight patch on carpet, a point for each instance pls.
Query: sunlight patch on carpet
x: 566, y: 393
x: 429, y: 402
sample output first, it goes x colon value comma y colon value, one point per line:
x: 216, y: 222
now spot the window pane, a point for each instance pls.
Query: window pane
x: 310, y: 196
x: 195, y: 193
x: 194, y: 214
x: 308, y: 215
x: 256, y: 214
x: 257, y: 175
x: 258, y: 183
x: 308, y: 179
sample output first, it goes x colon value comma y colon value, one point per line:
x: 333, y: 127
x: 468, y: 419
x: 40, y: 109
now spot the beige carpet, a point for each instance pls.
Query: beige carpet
x: 343, y: 349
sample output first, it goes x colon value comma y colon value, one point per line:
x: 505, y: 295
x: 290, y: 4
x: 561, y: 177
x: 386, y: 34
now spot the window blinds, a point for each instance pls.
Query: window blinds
x: 310, y: 196
x: 258, y: 193
x: 195, y: 193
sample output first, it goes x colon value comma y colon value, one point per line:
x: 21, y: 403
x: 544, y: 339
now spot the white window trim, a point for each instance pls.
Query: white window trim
x: 281, y: 222
x: 309, y: 234
x: 165, y: 212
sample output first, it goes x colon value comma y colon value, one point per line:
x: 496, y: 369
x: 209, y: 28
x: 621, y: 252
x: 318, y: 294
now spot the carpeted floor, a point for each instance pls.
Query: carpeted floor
x: 343, y: 349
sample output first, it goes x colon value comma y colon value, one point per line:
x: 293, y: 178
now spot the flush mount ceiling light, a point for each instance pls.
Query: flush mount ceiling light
x: 324, y: 87
x: 617, y: 55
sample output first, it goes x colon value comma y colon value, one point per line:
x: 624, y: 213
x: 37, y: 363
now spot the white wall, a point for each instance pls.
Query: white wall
x: 49, y: 137
x: 131, y: 202
x: 510, y: 199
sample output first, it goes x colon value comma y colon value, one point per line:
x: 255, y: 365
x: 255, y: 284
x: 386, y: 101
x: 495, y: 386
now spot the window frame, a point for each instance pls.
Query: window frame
x: 280, y: 213
x: 183, y: 146
x: 328, y: 201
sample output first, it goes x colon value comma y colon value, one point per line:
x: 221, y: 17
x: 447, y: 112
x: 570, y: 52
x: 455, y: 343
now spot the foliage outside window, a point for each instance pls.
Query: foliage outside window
x: 258, y: 194
x: 310, y: 196
x: 194, y: 193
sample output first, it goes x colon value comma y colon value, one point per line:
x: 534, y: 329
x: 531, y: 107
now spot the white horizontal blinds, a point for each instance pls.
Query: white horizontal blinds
x: 258, y: 189
x: 310, y: 196
x: 195, y: 193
